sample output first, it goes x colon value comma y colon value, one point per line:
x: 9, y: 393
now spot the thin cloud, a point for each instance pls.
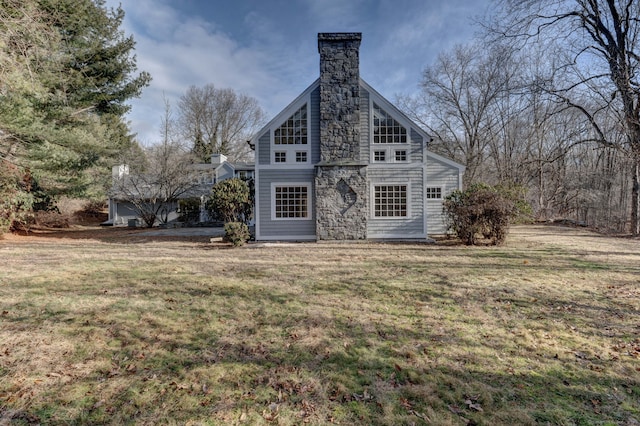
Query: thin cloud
x: 270, y: 53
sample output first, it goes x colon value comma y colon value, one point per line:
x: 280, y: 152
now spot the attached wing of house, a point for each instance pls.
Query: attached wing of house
x: 203, y: 176
x: 343, y: 163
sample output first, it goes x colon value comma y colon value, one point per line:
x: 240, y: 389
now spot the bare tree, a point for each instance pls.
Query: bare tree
x: 456, y: 101
x: 601, y: 39
x: 160, y: 178
x: 218, y: 121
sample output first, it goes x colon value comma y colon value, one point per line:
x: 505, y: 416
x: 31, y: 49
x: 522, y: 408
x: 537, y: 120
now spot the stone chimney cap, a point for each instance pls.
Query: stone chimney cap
x: 338, y: 37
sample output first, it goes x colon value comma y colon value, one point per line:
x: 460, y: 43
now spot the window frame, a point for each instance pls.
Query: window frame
x: 291, y: 149
x: 426, y: 193
x: 304, y: 154
x: 401, y: 123
x: 391, y: 148
x: 376, y: 153
x: 406, y: 155
x: 307, y: 185
x: 374, y: 185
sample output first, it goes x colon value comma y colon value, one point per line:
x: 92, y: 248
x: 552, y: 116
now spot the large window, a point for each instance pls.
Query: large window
x: 386, y: 129
x: 290, y: 144
x: 294, y: 130
x: 390, y: 201
x: 291, y: 202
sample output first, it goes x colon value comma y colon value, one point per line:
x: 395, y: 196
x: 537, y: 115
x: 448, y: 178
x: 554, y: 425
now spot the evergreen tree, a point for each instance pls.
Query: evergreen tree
x: 67, y: 72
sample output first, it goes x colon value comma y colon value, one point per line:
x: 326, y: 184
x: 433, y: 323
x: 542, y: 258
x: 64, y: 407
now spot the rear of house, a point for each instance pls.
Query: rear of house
x: 342, y: 163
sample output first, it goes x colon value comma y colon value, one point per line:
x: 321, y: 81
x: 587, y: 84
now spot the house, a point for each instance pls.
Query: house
x: 342, y: 163
x: 197, y: 185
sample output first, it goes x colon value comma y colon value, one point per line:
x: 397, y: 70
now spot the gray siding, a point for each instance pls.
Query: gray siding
x: 314, y: 123
x: 264, y: 148
x: 125, y: 210
x: 416, y: 150
x: 283, y: 229
x: 411, y: 227
x: 365, y: 126
x: 439, y: 174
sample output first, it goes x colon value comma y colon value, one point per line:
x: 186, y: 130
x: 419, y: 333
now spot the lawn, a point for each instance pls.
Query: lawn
x: 118, y: 328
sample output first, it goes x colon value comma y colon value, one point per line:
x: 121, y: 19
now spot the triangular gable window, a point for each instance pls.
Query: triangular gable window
x: 386, y: 129
x: 294, y: 130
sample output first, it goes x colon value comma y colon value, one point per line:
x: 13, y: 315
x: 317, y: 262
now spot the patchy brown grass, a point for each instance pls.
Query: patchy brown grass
x: 109, y: 326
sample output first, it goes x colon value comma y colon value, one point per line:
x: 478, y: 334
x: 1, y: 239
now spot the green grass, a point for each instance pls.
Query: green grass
x: 543, y: 330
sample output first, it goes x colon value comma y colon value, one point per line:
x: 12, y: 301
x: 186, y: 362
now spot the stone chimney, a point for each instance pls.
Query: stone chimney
x: 339, y: 96
x: 341, y: 189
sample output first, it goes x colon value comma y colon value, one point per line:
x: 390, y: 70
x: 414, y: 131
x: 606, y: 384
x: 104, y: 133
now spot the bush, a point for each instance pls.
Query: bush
x: 91, y: 211
x: 483, y: 210
x: 236, y: 233
x: 229, y: 201
x: 51, y: 219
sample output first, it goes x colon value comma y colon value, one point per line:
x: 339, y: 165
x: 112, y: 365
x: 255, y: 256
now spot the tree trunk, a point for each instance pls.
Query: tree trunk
x: 635, y: 199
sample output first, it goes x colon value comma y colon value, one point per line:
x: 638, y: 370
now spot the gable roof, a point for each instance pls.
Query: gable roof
x: 379, y: 99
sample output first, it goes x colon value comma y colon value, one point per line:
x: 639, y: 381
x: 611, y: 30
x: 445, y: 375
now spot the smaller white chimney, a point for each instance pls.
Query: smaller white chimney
x: 118, y: 172
x: 218, y: 158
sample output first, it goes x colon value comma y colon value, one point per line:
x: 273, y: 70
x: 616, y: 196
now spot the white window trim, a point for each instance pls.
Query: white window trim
x: 372, y: 198
x: 290, y: 184
x: 373, y: 155
x: 442, y: 194
x: 306, y: 161
x: 291, y: 149
x: 407, y: 155
x: 390, y: 148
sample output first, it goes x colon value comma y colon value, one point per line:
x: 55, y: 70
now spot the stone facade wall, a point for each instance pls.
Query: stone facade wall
x: 341, y: 188
x: 341, y: 210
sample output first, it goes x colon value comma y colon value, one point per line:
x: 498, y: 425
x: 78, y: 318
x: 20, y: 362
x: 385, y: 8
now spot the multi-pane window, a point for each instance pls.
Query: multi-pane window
x: 294, y: 130
x: 401, y: 155
x: 301, y: 156
x: 390, y: 200
x: 379, y: 155
x: 386, y: 129
x: 280, y: 156
x: 433, y: 193
x: 291, y: 202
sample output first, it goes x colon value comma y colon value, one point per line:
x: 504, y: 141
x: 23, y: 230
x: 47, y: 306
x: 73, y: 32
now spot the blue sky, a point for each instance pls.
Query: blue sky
x: 267, y: 49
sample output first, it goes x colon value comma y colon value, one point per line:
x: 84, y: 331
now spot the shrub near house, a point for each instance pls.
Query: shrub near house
x: 483, y: 210
x: 231, y: 202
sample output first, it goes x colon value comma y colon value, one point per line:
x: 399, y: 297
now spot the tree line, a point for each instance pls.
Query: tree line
x: 548, y: 98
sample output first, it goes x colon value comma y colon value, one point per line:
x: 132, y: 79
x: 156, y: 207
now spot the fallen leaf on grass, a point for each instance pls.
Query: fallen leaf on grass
x: 271, y: 413
x: 455, y: 409
x: 405, y: 403
x: 473, y: 406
